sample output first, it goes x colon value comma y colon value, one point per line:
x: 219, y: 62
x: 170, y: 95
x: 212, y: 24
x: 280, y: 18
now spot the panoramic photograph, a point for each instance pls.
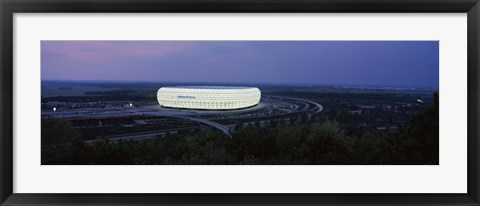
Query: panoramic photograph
x: 239, y: 102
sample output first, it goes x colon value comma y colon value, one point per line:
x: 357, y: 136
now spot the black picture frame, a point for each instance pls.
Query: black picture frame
x: 9, y: 7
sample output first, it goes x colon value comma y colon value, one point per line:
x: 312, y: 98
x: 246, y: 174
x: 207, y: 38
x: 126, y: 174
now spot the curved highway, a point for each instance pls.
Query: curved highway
x: 192, y: 116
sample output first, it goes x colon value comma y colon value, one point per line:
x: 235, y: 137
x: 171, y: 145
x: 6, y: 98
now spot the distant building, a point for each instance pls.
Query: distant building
x: 208, y: 97
x: 355, y: 112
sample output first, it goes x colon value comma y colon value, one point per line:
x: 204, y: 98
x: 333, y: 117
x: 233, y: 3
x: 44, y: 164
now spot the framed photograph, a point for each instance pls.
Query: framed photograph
x: 239, y: 102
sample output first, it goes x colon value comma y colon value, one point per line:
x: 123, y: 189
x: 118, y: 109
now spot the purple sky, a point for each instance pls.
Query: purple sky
x: 380, y: 63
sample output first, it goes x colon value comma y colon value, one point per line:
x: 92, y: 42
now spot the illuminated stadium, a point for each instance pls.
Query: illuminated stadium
x: 208, y: 97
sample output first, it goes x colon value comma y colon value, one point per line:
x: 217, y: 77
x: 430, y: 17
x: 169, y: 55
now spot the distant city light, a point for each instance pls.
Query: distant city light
x: 419, y: 100
x: 54, y: 109
x: 131, y: 105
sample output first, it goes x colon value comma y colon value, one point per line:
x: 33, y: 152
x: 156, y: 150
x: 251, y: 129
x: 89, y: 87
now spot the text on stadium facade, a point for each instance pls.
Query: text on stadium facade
x: 185, y: 97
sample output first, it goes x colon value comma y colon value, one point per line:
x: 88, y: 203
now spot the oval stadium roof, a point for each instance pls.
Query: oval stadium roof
x: 210, y: 87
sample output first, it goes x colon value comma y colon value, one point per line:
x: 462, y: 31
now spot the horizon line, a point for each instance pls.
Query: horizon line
x: 236, y: 83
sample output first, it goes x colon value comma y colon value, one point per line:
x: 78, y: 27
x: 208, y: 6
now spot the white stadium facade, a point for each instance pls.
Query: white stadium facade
x: 208, y: 97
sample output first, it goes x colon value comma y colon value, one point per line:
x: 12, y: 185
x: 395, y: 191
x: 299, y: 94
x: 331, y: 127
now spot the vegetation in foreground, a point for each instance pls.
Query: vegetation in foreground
x: 322, y: 143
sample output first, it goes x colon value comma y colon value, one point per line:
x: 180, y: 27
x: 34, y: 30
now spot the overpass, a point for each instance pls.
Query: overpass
x: 224, y: 129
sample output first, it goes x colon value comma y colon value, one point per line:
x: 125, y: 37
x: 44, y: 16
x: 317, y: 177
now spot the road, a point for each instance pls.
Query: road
x: 189, y: 116
x: 224, y: 129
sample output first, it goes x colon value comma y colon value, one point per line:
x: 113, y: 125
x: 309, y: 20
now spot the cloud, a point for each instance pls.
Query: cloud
x: 110, y: 50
